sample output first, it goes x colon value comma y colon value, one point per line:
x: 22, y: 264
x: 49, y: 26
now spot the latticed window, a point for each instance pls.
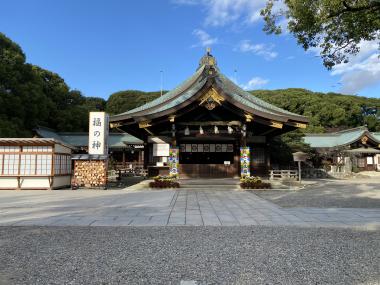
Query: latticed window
x: 62, y: 164
x: 10, y: 164
x: 43, y: 164
x: 361, y: 162
x: 57, y: 164
x: 28, y: 164
x: 258, y: 155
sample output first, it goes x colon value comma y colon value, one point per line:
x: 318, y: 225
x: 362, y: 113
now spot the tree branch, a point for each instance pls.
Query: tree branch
x: 373, y: 6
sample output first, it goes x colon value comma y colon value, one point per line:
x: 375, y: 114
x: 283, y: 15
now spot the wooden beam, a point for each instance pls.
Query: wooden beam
x: 148, y: 131
x: 297, y: 125
x: 211, y: 123
x: 275, y: 124
x: 268, y: 132
x: 144, y: 124
x: 115, y: 125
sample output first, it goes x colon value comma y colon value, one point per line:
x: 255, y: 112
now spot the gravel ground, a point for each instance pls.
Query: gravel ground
x: 167, y: 255
x: 329, y: 195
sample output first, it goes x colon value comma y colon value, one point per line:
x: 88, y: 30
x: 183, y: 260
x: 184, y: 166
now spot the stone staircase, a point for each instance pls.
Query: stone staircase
x: 210, y: 183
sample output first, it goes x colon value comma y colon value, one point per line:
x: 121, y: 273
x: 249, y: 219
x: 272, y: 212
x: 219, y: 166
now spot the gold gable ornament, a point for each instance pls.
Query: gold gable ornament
x: 364, y: 140
x: 210, y: 99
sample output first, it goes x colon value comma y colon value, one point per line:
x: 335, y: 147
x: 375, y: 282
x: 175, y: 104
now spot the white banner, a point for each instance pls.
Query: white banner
x: 98, y: 133
x: 161, y: 149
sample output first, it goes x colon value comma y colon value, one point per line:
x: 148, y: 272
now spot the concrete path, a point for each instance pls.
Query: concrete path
x: 168, y: 207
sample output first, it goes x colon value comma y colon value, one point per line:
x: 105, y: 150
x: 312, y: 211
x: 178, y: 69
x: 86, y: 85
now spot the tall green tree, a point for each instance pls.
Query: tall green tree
x: 326, y: 111
x: 336, y: 27
x: 31, y: 96
x: 123, y: 101
x: 22, y: 101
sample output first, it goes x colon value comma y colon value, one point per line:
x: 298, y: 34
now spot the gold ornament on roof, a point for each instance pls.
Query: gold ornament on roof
x: 300, y: 125
x: 275, y: 124
x: 144, y: 124
x: 364, y: 140
x: 211, y: 98
x: 248, y: 118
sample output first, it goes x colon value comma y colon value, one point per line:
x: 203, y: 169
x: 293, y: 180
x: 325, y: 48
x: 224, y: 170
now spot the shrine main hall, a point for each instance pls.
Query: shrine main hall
x: 207, y: 127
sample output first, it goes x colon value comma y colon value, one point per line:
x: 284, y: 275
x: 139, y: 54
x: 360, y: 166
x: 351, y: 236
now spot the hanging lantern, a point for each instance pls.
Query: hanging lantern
x: 173, y: 130
x: 230, y: 130
x: 216, y: 130
x: 201, y: 130
x: 244, y: 130
x: 187, y: 131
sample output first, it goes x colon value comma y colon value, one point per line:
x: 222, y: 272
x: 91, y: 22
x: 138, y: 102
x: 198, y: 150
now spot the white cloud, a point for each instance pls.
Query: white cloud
x: 223, y: 12
x: 362, y: 70
x: 185, y: 2
x: 204, y: 39
x: 255, y: 82
x: 263, y: 50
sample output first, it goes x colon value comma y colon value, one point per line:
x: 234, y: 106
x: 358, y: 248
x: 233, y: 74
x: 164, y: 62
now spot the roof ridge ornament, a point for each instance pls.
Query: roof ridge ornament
x: 208, y: 59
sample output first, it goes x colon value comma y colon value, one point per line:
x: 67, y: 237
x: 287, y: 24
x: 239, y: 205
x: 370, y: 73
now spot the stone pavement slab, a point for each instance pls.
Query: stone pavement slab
x: 195, y: 207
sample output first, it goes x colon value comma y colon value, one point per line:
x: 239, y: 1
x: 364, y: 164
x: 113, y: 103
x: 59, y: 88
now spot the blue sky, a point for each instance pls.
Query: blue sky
x: 100, y: 47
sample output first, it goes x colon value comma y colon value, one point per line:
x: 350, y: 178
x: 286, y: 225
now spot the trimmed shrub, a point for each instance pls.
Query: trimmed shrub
x: 253, y: 182
x: 164, y: 182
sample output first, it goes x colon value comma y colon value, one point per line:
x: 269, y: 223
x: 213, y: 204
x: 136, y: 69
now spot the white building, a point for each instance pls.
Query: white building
x: 34, y: 163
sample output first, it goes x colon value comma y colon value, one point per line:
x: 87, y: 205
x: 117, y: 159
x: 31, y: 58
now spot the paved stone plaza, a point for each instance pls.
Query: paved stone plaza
x: 168, y: 207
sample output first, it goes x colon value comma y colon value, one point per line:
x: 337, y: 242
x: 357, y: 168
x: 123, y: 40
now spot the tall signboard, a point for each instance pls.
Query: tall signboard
x: 98, y: 133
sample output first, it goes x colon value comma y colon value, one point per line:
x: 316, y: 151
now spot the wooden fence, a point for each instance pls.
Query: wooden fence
x: 283, y: 174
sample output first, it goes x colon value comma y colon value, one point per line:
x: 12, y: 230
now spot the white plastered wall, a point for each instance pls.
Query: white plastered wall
x: 61, y: 181
x: 62, y: 149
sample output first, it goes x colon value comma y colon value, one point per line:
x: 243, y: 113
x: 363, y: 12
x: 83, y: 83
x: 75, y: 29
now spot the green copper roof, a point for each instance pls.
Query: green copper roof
x: 207, y: 72
x: 342, y: 138
x: 251, y: 101
x: 376, y: 135
x: 80, y: 139
x: 171, y: 95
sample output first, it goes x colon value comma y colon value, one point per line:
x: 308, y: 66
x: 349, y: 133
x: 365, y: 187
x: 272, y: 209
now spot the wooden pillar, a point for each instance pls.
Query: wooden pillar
x: 237, y: 158
x: 140, y: 158
x: 146, y: 155
x: 267, y: 158
x: 123, y: 158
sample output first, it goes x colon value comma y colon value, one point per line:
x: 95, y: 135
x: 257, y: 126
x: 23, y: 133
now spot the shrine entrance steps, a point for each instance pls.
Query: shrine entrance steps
x: 210, y: 183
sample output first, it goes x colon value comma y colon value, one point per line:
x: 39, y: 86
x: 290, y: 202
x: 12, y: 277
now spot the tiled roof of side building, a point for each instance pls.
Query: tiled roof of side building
x: 115, y: 140
x: 341, y: 138
x: 376, y: 135
x: 80, y: 139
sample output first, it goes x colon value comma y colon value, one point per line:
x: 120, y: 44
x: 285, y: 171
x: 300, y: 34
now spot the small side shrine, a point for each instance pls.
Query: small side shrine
x: 207, y: 127
x: 355, y: 148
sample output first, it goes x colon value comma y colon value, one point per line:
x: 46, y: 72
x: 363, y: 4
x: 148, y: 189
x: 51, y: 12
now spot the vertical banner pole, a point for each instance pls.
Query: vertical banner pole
x: 245, y: 158
x: 173, y: 161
